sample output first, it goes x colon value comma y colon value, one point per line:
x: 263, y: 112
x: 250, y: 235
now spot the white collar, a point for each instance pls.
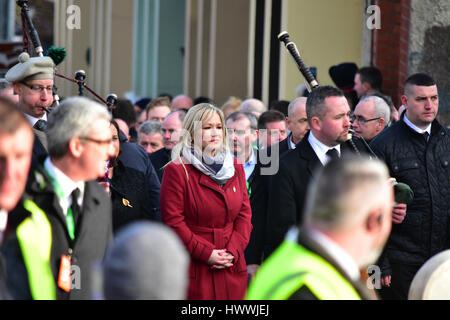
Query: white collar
x: 416, y: 128
x: 251, y: 159
x: 346, y: 262
x: 320, y: 149
x: 3, y: 220
x: 291, y: 143
x: 33, y: 120
x: 66, y: 184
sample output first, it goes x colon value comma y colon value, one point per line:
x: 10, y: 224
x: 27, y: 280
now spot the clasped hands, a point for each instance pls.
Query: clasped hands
x: 220, y: 259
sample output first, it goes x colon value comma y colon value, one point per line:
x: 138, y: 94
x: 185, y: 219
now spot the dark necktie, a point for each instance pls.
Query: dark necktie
x: 75, y: 207
x: 333, y: 154
x: 426, y: 136
x: 41, y: 125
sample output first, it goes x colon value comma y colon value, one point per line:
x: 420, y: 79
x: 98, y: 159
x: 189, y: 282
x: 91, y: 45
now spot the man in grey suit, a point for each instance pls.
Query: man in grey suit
x: 328, y: 116
x: 76, y: 206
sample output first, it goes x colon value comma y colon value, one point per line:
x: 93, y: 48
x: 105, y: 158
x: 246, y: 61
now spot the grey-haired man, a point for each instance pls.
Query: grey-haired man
x: 78, y: 209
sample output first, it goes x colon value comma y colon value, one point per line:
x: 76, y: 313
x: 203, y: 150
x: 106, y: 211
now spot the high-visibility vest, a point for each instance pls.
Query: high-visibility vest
x: 34, y: 235
x: 292, y: 267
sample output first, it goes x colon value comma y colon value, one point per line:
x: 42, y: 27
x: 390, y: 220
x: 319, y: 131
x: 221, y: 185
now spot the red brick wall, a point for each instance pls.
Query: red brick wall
x: 390, y: 46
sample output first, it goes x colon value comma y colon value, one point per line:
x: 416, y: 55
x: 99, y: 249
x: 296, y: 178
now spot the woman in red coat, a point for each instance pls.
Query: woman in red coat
x: 204, y: 199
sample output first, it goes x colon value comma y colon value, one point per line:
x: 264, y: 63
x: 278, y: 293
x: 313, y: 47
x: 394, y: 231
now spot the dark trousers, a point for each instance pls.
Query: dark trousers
x: 402, y: 276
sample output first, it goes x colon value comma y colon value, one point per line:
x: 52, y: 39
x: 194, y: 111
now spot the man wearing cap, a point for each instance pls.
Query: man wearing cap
x: 32, y: 80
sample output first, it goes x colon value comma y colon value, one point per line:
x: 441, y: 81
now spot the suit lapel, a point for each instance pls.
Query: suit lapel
x: 306, y: 152
x: 89, y: 209
x: 41, y: 138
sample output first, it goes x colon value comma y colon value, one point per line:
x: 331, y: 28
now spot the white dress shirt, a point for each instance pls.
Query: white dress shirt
x: 3, y: 221
x: 67, y: 186
x: 320, y: 149
x: 33, y: 120
x: 249, y: 166
x: 291, y: 143
x: 416, y: 128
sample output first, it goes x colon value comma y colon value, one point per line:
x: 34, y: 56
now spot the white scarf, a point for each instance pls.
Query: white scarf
x: 226, y: 159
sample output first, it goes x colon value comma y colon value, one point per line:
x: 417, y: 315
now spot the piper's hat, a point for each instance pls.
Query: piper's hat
x: 343, y: 75
x: 36, y: 68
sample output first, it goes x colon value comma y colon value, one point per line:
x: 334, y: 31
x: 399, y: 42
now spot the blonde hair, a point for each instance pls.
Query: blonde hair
x: 195, y: 116
x: 233, y: 103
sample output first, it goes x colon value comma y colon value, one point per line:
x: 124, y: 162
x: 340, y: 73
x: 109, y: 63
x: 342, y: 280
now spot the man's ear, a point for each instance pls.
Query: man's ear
x: 381, y: 123
x: 405, y: 101
x: 75, y: 147
x: 367, y: 87
x: 17, y: 88
x: 255, y: 136
x: 288, y: 124
x: 316, y: 123
x: 374, y: 220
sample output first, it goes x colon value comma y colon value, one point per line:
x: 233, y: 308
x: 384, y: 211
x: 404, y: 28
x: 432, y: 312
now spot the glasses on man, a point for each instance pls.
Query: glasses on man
x: 361, y: 119
x: 99, y: 142
x: 38, y: 88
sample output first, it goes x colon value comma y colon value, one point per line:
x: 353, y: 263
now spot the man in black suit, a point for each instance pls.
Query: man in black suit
x: 32, y: 80
x: 171, y: 129
x: 77, y: 208
x: 243, y: 134
x: 328, y: 115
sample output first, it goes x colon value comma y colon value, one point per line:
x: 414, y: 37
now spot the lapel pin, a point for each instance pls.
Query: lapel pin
x: 126, y: 203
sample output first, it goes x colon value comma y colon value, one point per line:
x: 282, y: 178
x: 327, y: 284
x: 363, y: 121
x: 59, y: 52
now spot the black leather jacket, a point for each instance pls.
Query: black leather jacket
x: 425, y: 167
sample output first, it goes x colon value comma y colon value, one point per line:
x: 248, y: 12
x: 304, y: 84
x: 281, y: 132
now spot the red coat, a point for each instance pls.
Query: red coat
x: 208, y: 217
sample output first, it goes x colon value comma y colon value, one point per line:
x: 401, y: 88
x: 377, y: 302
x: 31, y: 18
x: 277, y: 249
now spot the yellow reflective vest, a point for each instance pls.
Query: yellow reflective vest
x: 292, y: 267
x: 34, y: 235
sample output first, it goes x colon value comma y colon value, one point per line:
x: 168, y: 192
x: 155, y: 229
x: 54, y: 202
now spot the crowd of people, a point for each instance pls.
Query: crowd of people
x: 178, y: 198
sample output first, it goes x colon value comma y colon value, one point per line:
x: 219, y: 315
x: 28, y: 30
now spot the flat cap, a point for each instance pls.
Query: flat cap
x: 36, y: 68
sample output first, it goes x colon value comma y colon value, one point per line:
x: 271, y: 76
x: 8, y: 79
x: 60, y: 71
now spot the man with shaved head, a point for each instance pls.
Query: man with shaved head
x: 417, y: 152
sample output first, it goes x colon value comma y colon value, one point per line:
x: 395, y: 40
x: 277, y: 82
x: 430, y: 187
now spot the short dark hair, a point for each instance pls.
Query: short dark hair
x: 316, y: 101
x: 372, y: 76
x: 11, y: 118
x: 237, y: 115
x: 202, y: 99
x: 268, y: 117
x: 125, y: 110
x: 420, y: 79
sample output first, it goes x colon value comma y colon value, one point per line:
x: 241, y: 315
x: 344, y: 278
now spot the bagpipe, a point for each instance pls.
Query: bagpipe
x: 403, y: 193
x: 57, y: 54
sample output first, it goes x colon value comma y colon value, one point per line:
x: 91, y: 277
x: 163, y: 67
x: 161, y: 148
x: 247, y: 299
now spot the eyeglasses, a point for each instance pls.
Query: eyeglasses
x: 100, y: 142
x: 237, y: 132
x: 361, y: 120
x: 38, y: 88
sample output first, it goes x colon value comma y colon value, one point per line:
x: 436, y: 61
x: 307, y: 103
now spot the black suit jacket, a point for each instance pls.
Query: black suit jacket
x: 287, y: 190
x: 159, y: 159
x: 258, y: 202
x: 39, y: 150
x: 93, y: 234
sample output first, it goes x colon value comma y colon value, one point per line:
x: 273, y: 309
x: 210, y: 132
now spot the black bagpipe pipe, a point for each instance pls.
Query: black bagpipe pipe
x: 304, y: 69
x: 30, y: 33
x: 312, y: 84
x: 403, y: 193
